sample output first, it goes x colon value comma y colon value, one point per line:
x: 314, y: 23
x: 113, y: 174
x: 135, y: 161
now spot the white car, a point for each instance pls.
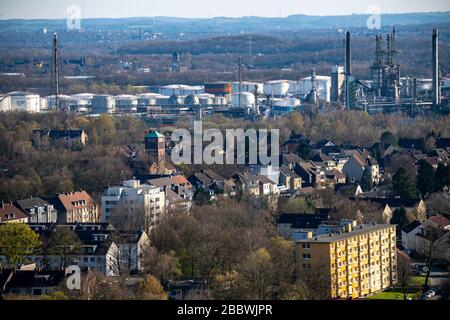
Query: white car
x: 431, y: 293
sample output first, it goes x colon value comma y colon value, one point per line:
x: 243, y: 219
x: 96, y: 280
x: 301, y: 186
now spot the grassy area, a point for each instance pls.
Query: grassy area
x: 390, y: 295
x: 413, y: 291
x: 417, y: 281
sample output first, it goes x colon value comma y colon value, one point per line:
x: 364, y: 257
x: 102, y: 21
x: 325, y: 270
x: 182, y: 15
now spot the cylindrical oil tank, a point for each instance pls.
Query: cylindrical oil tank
x: 219, y: 88
x: 249, y: 87
x: 277, y: 88
x: 247, y: 100
x: 126, y: 103
x: 103, y: 103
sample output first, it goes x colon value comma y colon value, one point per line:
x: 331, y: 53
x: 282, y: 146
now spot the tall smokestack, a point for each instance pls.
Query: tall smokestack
x: 436, y: 83
x: 348, y: 68
x: 348, y: 55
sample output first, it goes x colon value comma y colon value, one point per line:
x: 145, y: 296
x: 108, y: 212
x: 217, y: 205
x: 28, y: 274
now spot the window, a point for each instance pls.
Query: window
x: 306, y: 246
x: 306, y: 256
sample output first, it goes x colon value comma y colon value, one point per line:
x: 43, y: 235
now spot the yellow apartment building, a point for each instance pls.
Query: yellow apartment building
x: 359, y: 260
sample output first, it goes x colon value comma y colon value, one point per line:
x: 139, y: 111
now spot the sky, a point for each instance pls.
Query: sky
x: 55, y: 9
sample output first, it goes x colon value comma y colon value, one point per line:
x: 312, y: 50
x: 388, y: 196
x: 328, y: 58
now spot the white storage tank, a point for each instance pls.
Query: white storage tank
x: 206, y: 99
x: 181, y: 90
x: 249, y: 87
x: 247, y: 100
x: 103, y: 103
x: 220, y: 101
x: 148, y: 99
x: 276, y: 88
x: 64, y: 102
x: 25, y: 101
x: 81, y: 102
x: 126, y: 103
x: 424, y: 84
x: 5, y: 103
x: 323, y: 87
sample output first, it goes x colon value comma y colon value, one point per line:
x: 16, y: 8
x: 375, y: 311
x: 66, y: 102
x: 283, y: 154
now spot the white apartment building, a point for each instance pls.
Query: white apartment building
x: 132, y: 197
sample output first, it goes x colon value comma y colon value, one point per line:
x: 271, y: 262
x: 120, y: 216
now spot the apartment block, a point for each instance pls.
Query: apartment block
x: 358, y: 260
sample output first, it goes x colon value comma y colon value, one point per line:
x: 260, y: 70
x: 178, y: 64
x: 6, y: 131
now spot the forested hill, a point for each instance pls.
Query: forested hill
x: 224, y: 25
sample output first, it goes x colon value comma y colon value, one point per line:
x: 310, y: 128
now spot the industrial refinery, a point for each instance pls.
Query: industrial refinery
x: 387, y: 91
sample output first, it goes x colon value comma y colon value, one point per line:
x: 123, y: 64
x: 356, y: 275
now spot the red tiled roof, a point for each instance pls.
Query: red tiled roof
x: 440, y: 220
x: 72, y: 201
x: 9, y: 212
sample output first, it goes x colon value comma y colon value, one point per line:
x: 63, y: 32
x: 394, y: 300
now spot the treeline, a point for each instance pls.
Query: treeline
x: 27, y: 171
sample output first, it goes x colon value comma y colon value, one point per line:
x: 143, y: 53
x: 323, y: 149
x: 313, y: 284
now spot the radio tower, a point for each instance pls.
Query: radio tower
x: 55, y: 70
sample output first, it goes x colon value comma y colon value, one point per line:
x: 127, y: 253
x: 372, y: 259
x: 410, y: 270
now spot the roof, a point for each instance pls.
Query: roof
x: 28, y: 204
x: 440, y: 220
x: 291, y: 158
x: 302, y: 220
x: 9, y: 212
x: 362, y: 229
x: 57, y: 134
x: 411, y: 226
x: 289, y: 173
x: 33, y: 279
x: 169, y: 181
x: 71, y: 201
x: 265, y: 180
x: 154, y: 135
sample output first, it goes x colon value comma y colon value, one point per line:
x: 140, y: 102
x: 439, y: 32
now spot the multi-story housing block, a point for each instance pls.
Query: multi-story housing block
x: 358, y: 260
x: 134, y: 198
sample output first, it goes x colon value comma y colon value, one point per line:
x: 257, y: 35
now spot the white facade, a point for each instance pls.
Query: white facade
x: 25, y: 101
x: 134, y: 197
x: 126, y: 103
x: 277, y: 88
x: 249, y: 87
x: 181, y: 90
x: 409, y: 239
x: 323, y: 87
x: 5, y: 103
x: 247, y: 100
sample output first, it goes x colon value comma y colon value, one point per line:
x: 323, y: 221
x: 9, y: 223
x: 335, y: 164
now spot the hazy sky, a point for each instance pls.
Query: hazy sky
x: 50, y: 9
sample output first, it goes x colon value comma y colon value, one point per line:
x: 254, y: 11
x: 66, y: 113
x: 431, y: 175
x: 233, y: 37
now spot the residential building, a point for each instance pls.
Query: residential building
x: 312, y: 175
x: 102, y: 248
x: 178, y: 183
x: 38, y: 210
x: 67, y: 138
x: 10, y: 213
x: 30, y: 282
x: 358, y: 260
x: 135, y: 198
x: 356, y: 165
x: 290, y: 223
x: 75, y: 207
x: 409, y: 233
x: 5, y: 103
x: 439, y: 225
x: 290, y: 179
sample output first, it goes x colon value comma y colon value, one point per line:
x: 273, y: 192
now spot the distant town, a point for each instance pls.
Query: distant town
x: 92, y: 207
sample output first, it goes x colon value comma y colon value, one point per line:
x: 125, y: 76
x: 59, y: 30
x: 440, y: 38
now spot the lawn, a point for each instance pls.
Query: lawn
x: 390, y: 295
x: 413, y: 291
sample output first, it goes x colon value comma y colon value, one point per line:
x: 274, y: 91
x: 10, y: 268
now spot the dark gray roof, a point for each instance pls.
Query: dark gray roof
x: 363, y: 229
x: 410, y: 227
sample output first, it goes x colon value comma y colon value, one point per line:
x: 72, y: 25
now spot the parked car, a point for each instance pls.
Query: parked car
x: 431, y: 293
x: 426, y: 296
x: 425, y: 269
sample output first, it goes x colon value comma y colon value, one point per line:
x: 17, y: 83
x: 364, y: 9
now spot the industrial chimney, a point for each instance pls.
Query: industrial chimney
x: 436, y: 82
x: 348, y: 69
x: 348, y: 55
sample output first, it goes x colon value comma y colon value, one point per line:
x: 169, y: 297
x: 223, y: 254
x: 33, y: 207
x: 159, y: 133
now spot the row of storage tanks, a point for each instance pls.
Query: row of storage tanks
x: 279, y: 94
